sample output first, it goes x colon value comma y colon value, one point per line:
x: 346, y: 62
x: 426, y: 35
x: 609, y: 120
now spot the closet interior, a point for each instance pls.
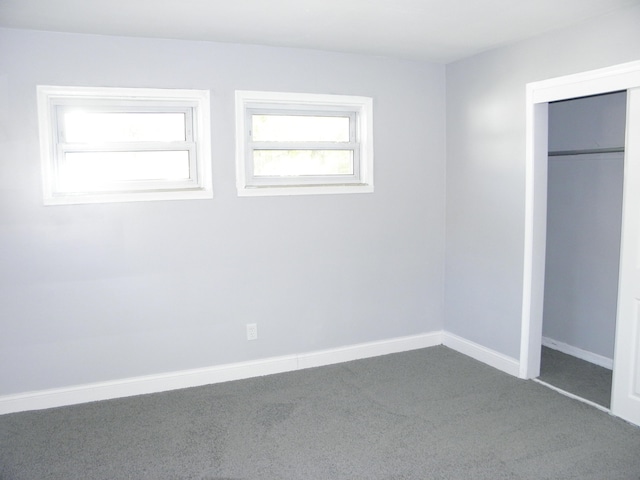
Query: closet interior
x: 584, y: 211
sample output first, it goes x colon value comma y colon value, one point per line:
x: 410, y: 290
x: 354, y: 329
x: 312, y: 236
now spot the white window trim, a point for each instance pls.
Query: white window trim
x: 283, y: 101
x: 50, y: 98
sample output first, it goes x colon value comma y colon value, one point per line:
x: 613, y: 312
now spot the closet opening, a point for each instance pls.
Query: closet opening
x: 586, y: 139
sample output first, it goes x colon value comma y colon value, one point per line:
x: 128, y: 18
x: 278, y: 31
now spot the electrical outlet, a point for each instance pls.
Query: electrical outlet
x: 252, y: 331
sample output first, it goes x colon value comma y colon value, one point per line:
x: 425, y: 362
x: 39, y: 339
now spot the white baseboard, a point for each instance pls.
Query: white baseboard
x: 485, y: 355
x: 578, y: 353
x: 204, y: 376
x: 128, y: 387
x: 237, y: 371
x: 366, y: 350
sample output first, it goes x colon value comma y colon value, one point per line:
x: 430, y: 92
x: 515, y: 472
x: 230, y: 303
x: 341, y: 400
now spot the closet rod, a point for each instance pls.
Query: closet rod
x: 586, y: 151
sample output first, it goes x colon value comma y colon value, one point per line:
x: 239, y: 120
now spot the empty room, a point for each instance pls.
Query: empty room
x: 319, y: 240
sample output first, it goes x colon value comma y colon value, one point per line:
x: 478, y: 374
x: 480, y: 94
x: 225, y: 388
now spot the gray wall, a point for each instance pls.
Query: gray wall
x: 584, y: 212
x: 588, y: 123
x: 486, y: 168
x: 98, y: 292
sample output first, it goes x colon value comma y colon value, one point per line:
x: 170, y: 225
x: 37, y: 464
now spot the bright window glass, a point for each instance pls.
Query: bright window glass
x: 286, y: 163
x: 83, y: 171
x: 299, y: 128
x: 80, y: 126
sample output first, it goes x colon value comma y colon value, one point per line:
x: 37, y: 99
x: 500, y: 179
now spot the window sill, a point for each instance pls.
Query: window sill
x: 251, y: 191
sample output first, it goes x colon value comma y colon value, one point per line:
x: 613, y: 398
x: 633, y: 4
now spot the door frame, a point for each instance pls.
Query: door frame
x: 538, y: 95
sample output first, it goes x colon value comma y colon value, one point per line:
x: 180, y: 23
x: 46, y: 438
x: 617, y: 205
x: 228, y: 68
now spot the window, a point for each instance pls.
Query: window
x: 123, y: 144
x: 289, y: 144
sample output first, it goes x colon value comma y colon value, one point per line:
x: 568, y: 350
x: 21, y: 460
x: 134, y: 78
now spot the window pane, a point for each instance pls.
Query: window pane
x: 98, y: 127
x: 286, y: 163
x: 299, y: 128
x: 83, y: 171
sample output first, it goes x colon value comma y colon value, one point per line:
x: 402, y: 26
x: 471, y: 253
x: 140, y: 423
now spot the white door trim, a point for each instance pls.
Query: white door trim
x: 625, y: 398
x: 538, y: 95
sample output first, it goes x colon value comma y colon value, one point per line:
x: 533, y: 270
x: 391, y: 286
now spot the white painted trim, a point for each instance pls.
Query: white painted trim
x: 538, y: 94
x: 534, y: 236
x: 592, y: 82
x: 366, y: 350
x: 485, y: 355
x: 585, y: 355
x: 128, y: 387
x: 625, y: 397
x: 204, y: 376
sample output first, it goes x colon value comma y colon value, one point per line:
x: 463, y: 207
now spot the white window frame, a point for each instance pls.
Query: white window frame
x: 360, y: 111
x: 195, y: 104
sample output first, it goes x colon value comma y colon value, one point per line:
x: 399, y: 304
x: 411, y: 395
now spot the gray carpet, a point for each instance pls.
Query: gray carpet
x: 576, y: 376
x: 426, y: 414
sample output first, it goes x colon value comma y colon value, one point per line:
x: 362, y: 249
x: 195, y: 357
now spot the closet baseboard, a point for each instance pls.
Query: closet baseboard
x: 590, y: 357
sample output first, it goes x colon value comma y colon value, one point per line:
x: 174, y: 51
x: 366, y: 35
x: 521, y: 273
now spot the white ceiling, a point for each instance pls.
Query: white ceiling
x: 431, y: 30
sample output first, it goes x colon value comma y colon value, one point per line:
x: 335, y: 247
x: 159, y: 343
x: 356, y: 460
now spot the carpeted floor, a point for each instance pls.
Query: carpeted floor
x: 426, y: 414
x: 576, y: 376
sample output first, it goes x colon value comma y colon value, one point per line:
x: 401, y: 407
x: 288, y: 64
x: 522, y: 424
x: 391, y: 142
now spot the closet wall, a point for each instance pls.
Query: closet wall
x: 583, y: 223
